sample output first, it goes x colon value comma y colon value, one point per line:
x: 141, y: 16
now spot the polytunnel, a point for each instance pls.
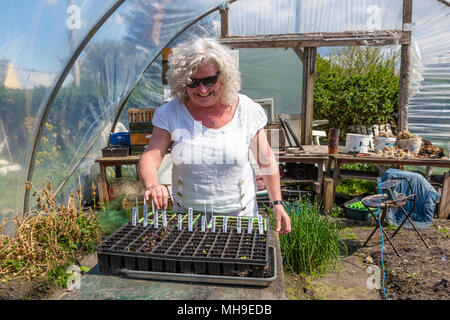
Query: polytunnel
x: 70, y: 70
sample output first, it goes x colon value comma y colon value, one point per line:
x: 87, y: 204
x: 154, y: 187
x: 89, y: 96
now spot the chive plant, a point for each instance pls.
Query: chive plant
x: 314, y: 245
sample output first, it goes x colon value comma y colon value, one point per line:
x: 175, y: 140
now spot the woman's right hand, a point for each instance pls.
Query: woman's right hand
x: 159, y: 194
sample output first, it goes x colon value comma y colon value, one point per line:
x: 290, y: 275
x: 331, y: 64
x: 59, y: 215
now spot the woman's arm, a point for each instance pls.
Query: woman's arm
x: 148, y: 166
x: 271, y: 175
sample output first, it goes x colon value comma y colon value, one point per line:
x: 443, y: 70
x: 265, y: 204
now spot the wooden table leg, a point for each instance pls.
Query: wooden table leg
x: 102, y: 185
x: 318, y: 184
x: 327, y: 194
x: 335, y: 177
x: 444, y: 202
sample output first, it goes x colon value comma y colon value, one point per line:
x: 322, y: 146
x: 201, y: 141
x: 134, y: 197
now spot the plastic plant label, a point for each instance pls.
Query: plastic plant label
x: 224, y: 225
x: 213, y: 224
x: 134, y: 218
x: 250, y: 226
x: 180, y: 220
x: 238, y: 225
x: 203, y: 223
x: 260, y: 224
x: 156, y: 222
x: 190, y: 214
x: 164, y: 218
x: 145, y: 222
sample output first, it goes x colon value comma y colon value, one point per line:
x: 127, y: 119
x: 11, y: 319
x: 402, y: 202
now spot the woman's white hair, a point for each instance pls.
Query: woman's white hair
x: 186, y: 57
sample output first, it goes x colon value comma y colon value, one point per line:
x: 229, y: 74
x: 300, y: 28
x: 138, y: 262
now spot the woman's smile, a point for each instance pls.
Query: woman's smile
x: 202, y: 95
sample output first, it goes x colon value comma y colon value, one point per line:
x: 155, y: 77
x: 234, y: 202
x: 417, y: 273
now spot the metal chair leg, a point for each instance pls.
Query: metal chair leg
x: 384, y: 232
x: 410, y: 221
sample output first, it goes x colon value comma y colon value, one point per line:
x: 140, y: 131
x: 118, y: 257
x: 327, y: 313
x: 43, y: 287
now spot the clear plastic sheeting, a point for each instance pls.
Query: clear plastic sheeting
x: 257, y: 17
x: 38, y: 39
x: 108, y: 68
x: 429, y: 105
x: 273, y: 73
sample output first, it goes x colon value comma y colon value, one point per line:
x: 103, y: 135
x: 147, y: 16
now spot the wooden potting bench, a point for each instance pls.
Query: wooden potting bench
x: 116, y: 162
x: 339, y: 159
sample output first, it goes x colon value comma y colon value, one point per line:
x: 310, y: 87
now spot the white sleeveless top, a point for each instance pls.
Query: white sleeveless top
x: 211, y: 166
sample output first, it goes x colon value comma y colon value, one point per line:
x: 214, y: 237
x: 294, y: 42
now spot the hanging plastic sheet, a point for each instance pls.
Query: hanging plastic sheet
x: 37, y: 39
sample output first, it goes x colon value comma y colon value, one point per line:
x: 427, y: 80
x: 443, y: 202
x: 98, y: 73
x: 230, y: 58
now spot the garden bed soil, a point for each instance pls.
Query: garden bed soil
x: 420, y: 273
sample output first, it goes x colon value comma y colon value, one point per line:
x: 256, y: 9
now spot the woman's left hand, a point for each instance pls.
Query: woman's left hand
x: 282, y: 219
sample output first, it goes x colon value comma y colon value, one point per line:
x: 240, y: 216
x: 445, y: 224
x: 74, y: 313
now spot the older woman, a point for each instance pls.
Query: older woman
x: 210, y: 128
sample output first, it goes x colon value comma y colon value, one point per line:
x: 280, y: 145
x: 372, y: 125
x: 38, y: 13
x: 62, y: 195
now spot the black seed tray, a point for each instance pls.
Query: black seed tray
x: 170, y: 250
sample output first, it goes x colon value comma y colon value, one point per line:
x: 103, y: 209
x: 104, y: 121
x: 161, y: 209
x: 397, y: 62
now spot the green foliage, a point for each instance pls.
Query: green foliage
x: 314, y: 246
x: 356, y: 86
x: 335, y: 211
x: 357, y: 205
x: 355, y: 187
x: 57, y: 277
x: 90, y: 231
x: 359, y: 166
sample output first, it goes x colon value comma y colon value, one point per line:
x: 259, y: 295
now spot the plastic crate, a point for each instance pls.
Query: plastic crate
x: 120, y: 139
x: 141, y: 115
x: 357, y: 214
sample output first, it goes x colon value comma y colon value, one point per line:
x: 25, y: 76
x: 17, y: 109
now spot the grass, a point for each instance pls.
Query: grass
x: 315, y: 245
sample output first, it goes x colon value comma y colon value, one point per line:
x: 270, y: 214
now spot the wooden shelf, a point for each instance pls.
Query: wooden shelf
x: 293, y: 180
x: 355, y: 174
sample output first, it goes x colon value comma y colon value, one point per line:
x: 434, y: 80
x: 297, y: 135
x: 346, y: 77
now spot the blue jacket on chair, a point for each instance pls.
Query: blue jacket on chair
x: 427, y: 198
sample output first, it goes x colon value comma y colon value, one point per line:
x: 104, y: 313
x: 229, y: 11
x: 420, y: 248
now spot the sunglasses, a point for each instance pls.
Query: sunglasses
x: 208, y: 81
